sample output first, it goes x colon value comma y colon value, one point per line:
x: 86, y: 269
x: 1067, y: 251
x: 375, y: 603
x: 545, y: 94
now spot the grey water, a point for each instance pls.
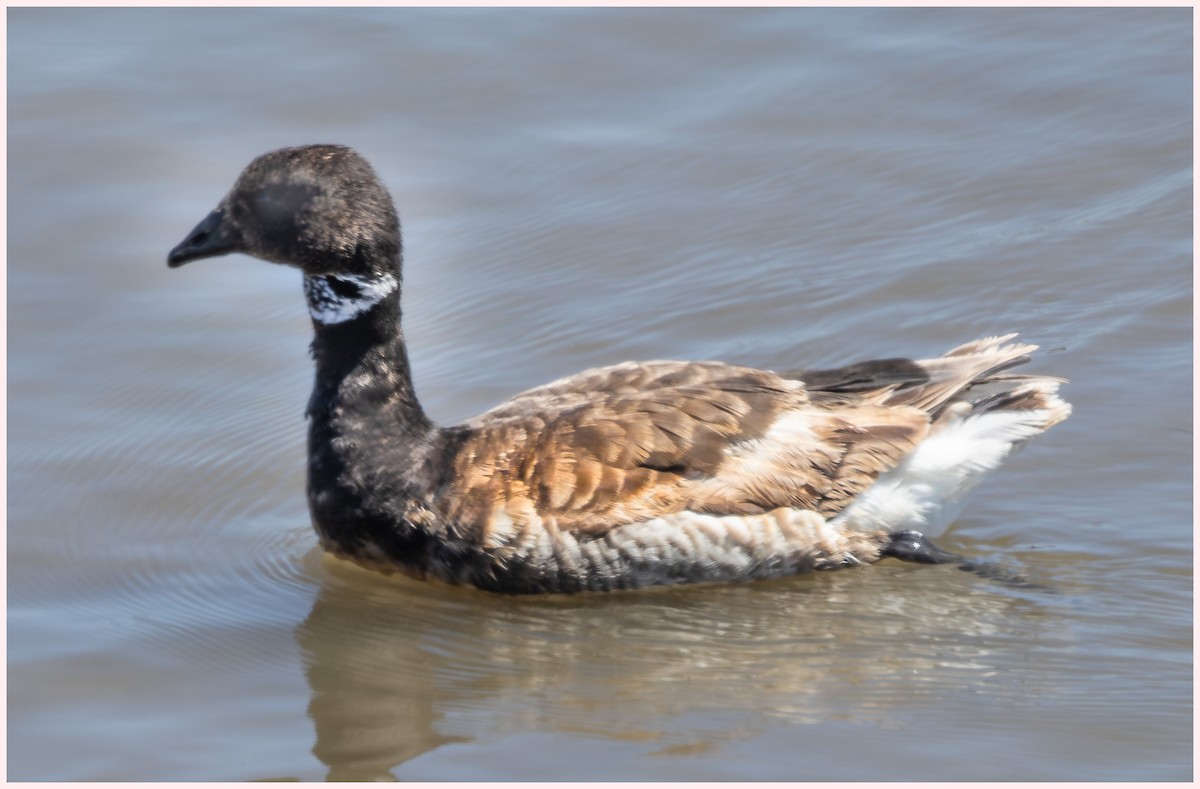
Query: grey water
x: 779, y: 187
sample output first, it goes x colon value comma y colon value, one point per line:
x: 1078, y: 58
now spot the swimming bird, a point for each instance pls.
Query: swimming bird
x: 636, y: 474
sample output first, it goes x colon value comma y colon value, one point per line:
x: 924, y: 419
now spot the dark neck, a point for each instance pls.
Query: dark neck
x: 362, y: 364
x: 369, y: 442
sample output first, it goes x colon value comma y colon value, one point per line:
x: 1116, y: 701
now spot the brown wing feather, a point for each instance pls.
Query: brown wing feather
x: 632, y: 442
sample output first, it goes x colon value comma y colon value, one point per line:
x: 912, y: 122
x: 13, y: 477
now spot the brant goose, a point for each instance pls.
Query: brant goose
x: 626, y: 476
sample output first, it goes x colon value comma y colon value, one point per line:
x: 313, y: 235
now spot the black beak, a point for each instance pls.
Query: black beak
x: 211, y: 237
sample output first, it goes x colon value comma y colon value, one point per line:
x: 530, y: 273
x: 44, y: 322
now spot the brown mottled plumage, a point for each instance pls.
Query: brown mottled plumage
x: 595, y: 456
x: 627, y: 443
x: 624, y: 476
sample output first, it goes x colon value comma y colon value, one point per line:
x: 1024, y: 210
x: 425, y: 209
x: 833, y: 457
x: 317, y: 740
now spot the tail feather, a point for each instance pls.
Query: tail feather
x: 1035, y: 395
x: 954, y: 376
x: 981, y: 415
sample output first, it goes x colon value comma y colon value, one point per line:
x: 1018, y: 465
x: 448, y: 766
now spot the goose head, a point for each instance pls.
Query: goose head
x: 319, y: 208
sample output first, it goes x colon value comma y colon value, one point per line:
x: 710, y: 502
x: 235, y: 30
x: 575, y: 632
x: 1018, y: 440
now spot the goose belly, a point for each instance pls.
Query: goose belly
x: 684, y: 547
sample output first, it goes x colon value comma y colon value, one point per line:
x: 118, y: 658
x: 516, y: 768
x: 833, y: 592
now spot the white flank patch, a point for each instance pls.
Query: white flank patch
x: 789, y: 430
x: 929, y: 488
x: 327, y: 306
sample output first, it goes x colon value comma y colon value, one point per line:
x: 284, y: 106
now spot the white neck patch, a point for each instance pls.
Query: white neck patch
x: 337, y: 298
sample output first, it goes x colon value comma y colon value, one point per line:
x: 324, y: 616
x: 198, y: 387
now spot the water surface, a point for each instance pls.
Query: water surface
x: 786, y: 188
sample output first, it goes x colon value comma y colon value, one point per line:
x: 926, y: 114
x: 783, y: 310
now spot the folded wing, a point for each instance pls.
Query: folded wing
x: 629, y: 443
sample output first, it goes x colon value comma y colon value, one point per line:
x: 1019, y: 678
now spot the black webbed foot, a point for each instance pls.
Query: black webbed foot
x: 912, y: 546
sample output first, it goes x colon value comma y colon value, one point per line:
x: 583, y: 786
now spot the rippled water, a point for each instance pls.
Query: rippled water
x: 798, y: 187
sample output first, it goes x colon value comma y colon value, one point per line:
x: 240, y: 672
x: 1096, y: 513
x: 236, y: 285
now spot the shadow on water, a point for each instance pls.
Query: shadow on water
x: 399, y: 668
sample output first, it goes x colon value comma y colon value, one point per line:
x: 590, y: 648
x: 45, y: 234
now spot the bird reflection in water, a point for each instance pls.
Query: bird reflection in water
x: 399, y: 668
